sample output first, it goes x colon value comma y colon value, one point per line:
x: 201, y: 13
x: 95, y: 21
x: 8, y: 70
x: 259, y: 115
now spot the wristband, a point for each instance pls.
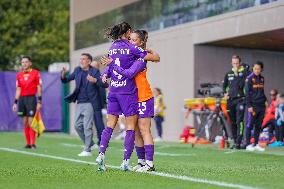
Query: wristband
x: 39, y: 99
x: 16, y: 101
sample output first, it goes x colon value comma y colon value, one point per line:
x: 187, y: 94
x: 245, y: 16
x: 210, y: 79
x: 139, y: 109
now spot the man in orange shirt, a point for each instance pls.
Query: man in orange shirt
x: 27, y: 86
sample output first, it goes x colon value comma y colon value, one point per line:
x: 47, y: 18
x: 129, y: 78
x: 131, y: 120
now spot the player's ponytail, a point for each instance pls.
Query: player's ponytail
x: 117, y: 31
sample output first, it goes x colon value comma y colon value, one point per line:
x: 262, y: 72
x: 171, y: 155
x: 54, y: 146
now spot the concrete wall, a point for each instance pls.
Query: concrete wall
x: 220, y: 59
x: 175, y: 75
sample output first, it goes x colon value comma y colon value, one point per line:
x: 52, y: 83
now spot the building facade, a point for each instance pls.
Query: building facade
x: 195, y: 40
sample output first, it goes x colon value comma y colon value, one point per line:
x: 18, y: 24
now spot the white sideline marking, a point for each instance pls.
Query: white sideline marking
x: 179, y: 177
x: 230, y: 152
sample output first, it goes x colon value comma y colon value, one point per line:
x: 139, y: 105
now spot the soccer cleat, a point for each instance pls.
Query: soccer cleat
x: 85, y: 154
x: 250, y: 148
x: 33, y: 146
x: 138, y: 166
x: 125, y: 166
x: 259, y: 148
x: 158, y: 139
x: 146, y: 168
x: 28, y: 146
x: 100, y: 160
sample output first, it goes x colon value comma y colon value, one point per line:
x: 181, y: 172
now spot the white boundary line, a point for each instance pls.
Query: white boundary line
x: 179, y: 177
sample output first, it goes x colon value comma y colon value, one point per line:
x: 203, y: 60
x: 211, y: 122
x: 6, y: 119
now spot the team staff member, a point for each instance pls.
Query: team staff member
x: 87, y: 95
x: 233, y: 86
x: 98, y: 116
x: 256, y: 104
x: 27, y: 86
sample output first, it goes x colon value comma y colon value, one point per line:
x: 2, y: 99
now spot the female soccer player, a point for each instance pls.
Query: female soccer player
x: 122, y: 96
x: 143, y: 138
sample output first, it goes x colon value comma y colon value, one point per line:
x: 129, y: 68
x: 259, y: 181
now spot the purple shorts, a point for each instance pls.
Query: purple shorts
x: 146, y: 109
x: 122, y: 104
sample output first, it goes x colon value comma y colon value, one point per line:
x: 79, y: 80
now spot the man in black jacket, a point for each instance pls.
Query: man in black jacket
x: 87, y: 95
x: 233, y: 86
x: 98, y: 117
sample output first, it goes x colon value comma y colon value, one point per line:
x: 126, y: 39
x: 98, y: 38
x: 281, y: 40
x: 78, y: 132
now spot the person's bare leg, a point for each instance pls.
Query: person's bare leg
x: 145, y: 130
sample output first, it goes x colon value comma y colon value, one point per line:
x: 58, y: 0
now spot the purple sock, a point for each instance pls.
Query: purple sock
x: 105, y: 138
x: 129, y: 143
x: 140, y: 152
x: 149, y: 151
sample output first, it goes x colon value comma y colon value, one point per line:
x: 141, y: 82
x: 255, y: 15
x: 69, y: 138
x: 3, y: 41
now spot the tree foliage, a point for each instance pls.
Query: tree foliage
x: 38, y: 28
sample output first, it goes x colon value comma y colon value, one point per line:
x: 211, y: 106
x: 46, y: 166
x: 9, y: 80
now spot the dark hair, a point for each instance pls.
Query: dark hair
x: 88, y: 56
x: 143, y: 36
x: 159, y: 90
x: 275, y: 91
x: 259, y: 63
x: 237, y: 57
x: 115, y: 32
x: 27, y: 57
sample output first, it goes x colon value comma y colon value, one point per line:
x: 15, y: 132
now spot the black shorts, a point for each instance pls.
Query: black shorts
x: 27, y: 106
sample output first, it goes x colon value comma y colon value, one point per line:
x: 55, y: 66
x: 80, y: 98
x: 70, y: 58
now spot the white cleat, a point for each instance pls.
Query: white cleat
x: 259, y: 148
x: 158, y: 139
x: 125, y: 166
x: 146, y: 168
x: 100, y: 160
x: 250, y: 148
x: 138, y: 166
x: 85, y: 154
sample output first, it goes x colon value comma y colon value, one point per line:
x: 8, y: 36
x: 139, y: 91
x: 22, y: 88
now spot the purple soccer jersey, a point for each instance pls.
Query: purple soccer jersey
x: 123, y: 54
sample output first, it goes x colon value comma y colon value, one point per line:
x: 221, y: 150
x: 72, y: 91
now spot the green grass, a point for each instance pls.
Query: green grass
x: 261, y: 170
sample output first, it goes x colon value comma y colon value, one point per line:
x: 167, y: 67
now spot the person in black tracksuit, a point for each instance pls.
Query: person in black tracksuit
x: 233, y: 86
x: 256, y: 104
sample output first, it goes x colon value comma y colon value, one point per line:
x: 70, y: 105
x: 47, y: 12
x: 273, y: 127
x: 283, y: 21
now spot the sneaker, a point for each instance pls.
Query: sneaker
x: 28, y: 146
x: 158, y: 139
x: 146, y: 168
x: 101, y: 162
x: 250, y: 148
x: 227, y: 144
x: 259, y: 148
x: 33, y: 146
x: 125, y: 165
x: 238, y: 147
x: 95, y: 146
x: 275, y: 144
x: 138, y: 166
x: 233, y: 147
x: 85, y: 154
